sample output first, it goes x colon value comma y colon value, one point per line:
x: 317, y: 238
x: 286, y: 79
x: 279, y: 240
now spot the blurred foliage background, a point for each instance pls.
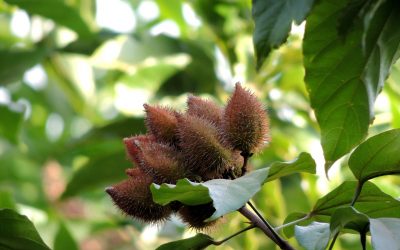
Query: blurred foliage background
x: 74, y: 75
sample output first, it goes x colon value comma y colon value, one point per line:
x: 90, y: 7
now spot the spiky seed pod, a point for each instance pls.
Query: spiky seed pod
x: 194, y: 216
x: 205, y: 109
x: 162, y: 123
x: 202, y: 152
x: 133, y: 149
x: 134, y: 198
x: 160, y: 161
x: 245, y: 123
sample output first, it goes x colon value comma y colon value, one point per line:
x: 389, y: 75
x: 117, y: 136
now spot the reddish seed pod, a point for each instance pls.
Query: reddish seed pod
x: 133, y: 149
x: 205, y: 109
x: 194, y: 216
x: 202, y: 152
x: 134, y: 198
x: 161, y: 122
x: 245, y: 122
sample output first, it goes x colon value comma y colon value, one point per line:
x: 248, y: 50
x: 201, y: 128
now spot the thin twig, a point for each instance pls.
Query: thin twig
x: 333, y: 241
x: 292, y: 223
x: 263, y: 220
x: 217, y: 243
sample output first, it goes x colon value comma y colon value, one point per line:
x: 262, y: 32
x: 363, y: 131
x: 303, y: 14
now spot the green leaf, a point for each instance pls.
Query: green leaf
x: 289, y: 230
x: 314, y: 236
x: 227, y: 195
x: 57, y: 11
x: 97, y: 172
x: 372, y: 201
x: 6, y: 200
x: 377, y: 156
x: 385, y: 233
x: 350, y: 218
x: 18, y: 233
x: 303, y: 163
x: 345, y: 74
x: 199, y: 241
x: 11, y: 122
x: 64, y: 239
x: 273, y: 20
x: 14, y: 63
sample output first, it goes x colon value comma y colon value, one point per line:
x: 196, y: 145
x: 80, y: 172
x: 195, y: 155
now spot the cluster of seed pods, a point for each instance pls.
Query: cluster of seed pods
x: 206, y: 142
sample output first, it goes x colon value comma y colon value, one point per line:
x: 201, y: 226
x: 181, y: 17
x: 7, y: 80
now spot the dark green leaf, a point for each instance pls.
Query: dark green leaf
x: 99, y: 171
x: 385, y: 233
x: 377, y: 156
x: 13, y: 64
x: 273, y: 20
x: 372, y: 201
x: 303, y: 163
x: 227, y: 195
x: 342, y: 77
x: 197, y: 242
x: 314, y: 236
x: 64, y: 239
x: 11, y: 121
x: 350, y: 218
x: 57, y: 11
x: 18, y: 233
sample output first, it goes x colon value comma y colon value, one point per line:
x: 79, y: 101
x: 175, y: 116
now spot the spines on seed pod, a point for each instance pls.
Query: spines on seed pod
x: 245, y: 123
x: 205, y: 109
x: 134, y: 198
x: 195, y: 216
x: 202, y: 152
x: 132, y: 146
x: 161, y: 122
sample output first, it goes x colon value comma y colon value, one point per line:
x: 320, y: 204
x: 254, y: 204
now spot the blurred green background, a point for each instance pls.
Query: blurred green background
x: 74, y: 75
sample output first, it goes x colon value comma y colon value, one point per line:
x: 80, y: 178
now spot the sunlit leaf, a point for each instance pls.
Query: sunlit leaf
x: 304, y: 163
x: 377, y: 156
x: 57, y: 11
x: 64, y: 240
x: 385, y: 233
x: 273, y: 20
x: 314, y: 236
x: 17, y: 232
x: 226, y: 195
x: 197, y: 242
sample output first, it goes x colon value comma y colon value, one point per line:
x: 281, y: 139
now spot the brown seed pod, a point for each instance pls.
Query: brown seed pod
x: 194, y: 216
x: 205, y: 109
x: 162, y: 123
x: 245, y: 123
x: 134, y: 198
x: 202, y: 152
x: 133, y: 149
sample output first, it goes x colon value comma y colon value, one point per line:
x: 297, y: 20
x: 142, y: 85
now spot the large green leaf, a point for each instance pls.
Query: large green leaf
x: 57, y: 11
x: 385, y: 233
x: 377, y: 156
x: 273, y: 20
x: 342, y: 77
x: 348, y: 217
x: 11, y: 122
x: 13, y: 63
x: 199, y: 241
x: 372, y: 201
x: 64, y: 239
x: 18, y: 233
x: 314, y: 236
x: 227, y: 195
x: 303, y: 163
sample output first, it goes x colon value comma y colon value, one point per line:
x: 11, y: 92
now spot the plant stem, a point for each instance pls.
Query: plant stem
x: 263, y: 220
x: 260, y: 224
x: 246, y: 157
x: 292, y: 223
x: 217, y: 243
x: 357, y: 193
x: 333, y: 241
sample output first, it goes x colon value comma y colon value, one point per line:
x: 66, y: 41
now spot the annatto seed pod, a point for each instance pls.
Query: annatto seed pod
x: 162, y: 123
x: 245, y: 123
x: 132, y: 147
x: 202, y: 152
x: 134, y: 198
x: 205, y: 109
x: 194, y: 216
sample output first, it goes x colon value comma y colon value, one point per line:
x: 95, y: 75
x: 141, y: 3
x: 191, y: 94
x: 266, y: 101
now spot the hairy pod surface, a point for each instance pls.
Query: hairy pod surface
x: 134, y: 198
x: 205, y: 109
x: 245, y: 123
x: 194, y: 216
x: 132, y: 146
x: 162, y: 123
x: 202, y: 152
